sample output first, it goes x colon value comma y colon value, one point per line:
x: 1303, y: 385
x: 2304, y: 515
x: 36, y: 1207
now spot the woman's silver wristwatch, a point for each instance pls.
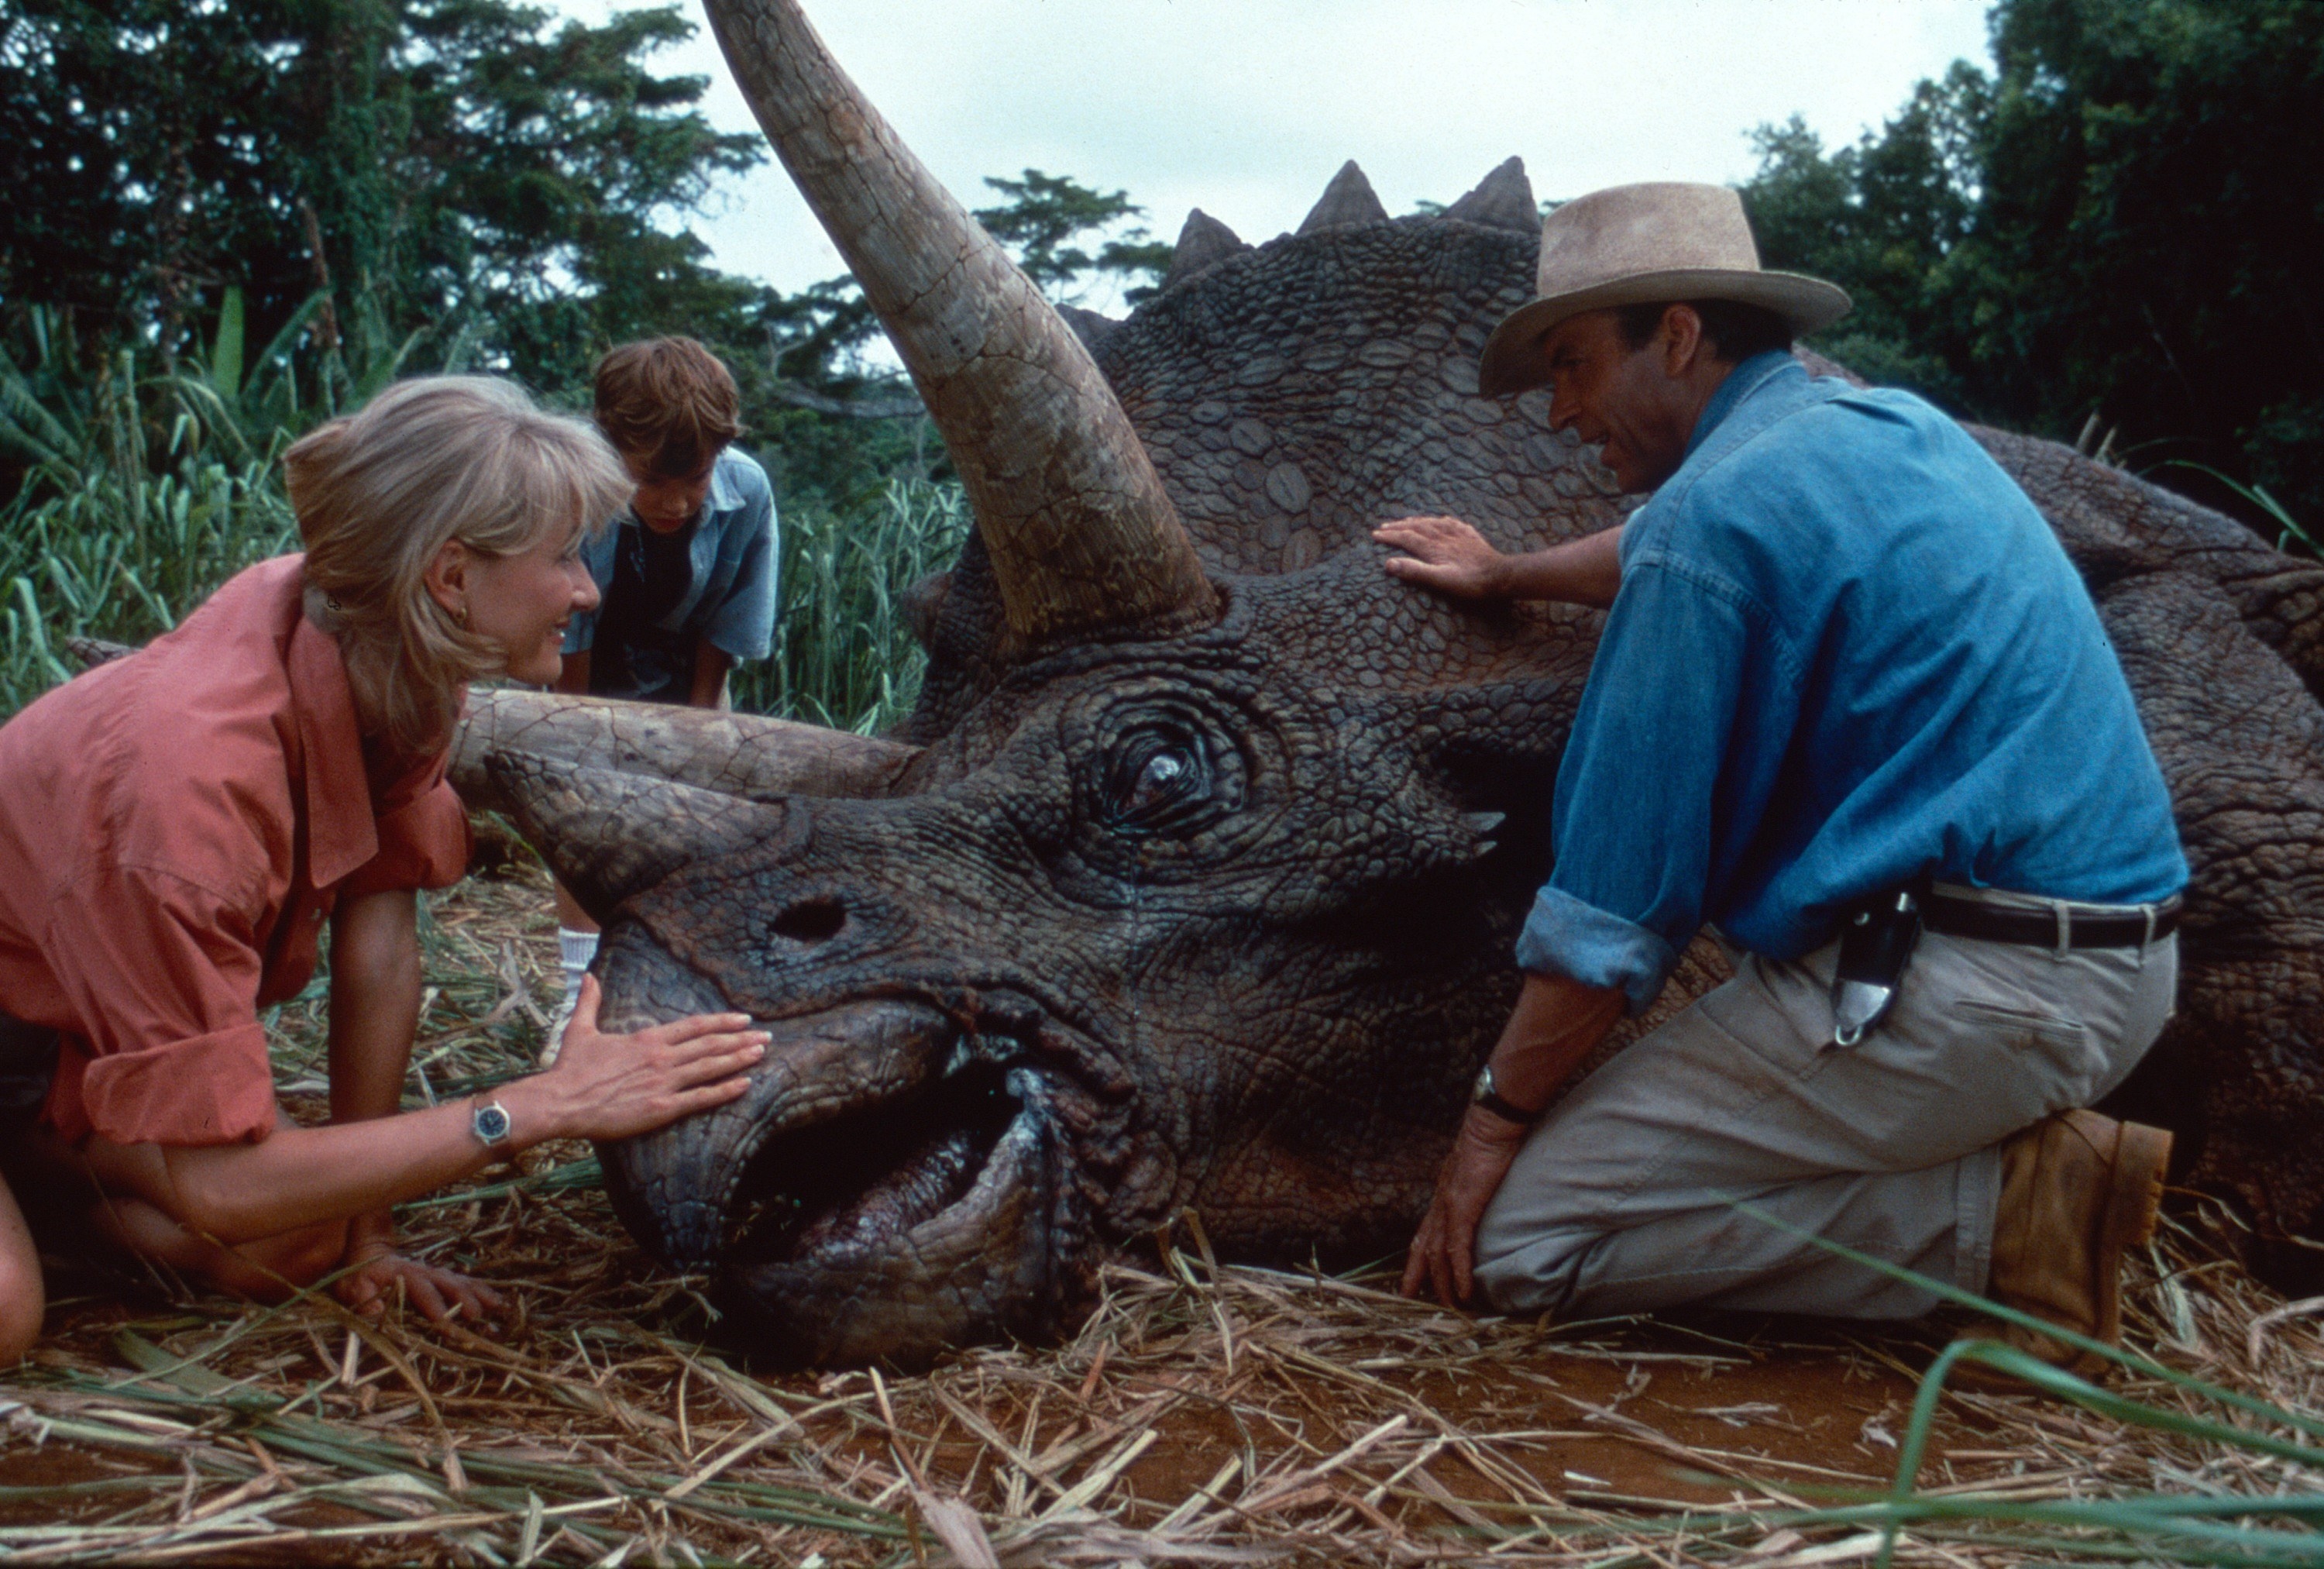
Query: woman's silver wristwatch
x: 489, y: 1123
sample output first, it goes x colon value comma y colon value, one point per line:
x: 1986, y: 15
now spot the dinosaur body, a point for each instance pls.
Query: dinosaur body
x: 1200, y: 888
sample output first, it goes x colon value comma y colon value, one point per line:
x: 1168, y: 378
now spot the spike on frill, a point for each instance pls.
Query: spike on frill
x: 1202, y: 244
x: 1503, y: 199
x: 1348, y: 199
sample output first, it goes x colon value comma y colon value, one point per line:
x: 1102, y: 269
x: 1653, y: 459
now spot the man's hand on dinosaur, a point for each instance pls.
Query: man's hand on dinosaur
x: 1445, y: 1251
x: 1444, y: 554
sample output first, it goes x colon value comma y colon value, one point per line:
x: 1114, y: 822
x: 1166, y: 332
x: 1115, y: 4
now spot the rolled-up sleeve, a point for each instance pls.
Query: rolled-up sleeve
x: 1639, y: 789
x: 164, y: 975
x: 1564, y: 936
x: 743, y: 624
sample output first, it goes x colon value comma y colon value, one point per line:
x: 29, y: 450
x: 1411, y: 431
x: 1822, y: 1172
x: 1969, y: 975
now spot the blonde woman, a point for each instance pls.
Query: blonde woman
x: 176, y: 827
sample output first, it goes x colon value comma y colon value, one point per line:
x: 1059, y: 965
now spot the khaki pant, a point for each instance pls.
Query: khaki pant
x: 1618, y: 1201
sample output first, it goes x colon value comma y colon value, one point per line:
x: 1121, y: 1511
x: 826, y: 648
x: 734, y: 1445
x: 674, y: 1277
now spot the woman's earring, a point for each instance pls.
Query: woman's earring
x: 461, y: 615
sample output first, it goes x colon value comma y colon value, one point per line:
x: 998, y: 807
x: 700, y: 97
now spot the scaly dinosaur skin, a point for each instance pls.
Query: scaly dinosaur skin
x: 1222, y: 919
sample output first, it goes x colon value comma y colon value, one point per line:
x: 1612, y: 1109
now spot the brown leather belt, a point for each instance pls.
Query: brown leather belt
x: 2039, y: 928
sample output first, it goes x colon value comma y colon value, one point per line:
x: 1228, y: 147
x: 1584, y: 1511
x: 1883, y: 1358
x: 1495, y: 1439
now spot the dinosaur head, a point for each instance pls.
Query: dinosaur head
x: 1217, y: 920
x: 1185, y: 885
x: 1196, y: 892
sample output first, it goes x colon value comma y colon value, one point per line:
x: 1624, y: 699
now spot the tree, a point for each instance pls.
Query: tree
x: 443, y: 165
x: 1045, y: 218
x: 2154, y: 219
x: 2125, y: 220
x: 1889, y: 217
x: 1065, y: 235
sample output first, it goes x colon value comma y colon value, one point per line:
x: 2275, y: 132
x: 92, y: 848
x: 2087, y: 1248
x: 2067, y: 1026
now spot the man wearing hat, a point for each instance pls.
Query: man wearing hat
x: 1852, y: 709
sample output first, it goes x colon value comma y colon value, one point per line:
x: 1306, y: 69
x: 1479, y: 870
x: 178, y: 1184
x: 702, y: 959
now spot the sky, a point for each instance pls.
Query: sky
x: 1246, y: 107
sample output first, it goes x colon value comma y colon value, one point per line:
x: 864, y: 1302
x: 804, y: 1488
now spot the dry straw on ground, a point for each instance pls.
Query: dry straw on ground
x: 1204, y: 1415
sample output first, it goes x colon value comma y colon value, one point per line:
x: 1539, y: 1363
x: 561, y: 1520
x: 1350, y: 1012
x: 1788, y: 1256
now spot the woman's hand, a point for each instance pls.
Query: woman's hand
x: 376, y: 1271
x: 1444, y: 554
x: 616, y: 1087
x: 1444, y: 1250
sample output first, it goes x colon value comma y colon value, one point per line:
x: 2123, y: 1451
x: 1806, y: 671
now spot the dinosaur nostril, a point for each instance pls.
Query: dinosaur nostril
x: 811, y: 921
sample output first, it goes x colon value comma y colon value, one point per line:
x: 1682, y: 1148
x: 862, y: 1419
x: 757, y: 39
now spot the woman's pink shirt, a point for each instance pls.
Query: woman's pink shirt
x: 175, y: 826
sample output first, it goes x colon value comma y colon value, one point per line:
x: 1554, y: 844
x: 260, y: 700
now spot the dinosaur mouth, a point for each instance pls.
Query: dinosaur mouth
x: 841, y: 1191
x: 891, y: 1186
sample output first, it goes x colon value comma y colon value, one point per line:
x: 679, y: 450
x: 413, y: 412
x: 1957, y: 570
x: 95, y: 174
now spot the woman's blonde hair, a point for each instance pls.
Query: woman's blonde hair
x: 379, y: 492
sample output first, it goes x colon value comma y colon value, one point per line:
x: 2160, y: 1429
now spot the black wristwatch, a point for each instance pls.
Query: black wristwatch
x: 1485, y: 1096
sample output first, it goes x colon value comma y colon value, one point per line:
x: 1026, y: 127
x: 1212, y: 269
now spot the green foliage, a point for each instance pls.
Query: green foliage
x: 439, y: 163
x: 1883, y: 218
x: 845, y: 655
x: 1044, y: 221
x: 148, y: 492
x: 107, y: 543
x: 2126, y: 216
x: 2262, y: 502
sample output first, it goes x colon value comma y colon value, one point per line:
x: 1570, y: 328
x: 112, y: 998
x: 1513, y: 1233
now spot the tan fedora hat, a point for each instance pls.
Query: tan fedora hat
x: 1636, y: 244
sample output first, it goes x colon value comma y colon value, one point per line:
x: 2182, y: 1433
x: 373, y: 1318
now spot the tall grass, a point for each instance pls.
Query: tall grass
x: 143, y: 494
x: 2262, y: 499
x: 844, y: 652
x: 2261, y: 1508
x: 146, y: 491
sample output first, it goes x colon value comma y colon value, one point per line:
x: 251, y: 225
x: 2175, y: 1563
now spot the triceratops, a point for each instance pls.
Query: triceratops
x: 1192, y: 881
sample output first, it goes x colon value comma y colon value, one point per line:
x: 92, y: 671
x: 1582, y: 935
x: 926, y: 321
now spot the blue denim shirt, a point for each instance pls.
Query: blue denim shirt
x: 1847, y: 651
x: 730, y: 598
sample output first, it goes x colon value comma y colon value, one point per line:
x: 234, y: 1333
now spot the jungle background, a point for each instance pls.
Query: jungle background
x: 228, y: 222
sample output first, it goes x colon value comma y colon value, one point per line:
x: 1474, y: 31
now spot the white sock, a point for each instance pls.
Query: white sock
x: 574, y: 952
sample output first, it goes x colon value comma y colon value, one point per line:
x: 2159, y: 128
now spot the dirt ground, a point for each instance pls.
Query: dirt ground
x: 1203, y: 1414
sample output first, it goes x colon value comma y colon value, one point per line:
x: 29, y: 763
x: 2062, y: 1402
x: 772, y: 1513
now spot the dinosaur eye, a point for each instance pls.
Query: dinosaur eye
x: 1157, y: 781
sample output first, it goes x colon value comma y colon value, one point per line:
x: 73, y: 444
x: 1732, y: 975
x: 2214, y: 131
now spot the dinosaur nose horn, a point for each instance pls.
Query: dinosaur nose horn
x: 609, y: 836
x: 1073, y: 517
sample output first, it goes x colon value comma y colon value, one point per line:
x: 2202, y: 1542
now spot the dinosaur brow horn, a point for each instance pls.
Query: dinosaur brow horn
x: 1074, y: 518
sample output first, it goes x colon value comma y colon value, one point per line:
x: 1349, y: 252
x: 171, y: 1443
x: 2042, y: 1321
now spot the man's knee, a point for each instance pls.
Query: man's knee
x: 1525, y: 1263
x: 1499, y: 1232
x: 1533, y: 1276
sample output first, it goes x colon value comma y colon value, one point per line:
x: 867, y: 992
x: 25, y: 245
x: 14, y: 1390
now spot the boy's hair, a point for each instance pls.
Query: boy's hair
x: 668, y: 403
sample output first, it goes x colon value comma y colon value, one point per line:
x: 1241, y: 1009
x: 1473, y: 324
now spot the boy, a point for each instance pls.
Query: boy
x: 688, y: 573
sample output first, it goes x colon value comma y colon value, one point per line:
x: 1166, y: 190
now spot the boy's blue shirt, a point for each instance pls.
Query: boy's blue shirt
x: 730, y: 598
x: 1847, y: 651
